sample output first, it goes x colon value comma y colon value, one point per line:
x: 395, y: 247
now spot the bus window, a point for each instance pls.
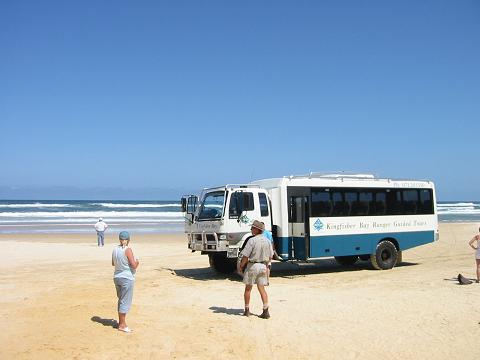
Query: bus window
x: 263, y: 204
x: 370, y: 201
x: 212, y: 206
x: 426, y: 204
x: 237, y: 205
x: 410, y: 200
x: 321, y: 204
x: 380, y: 203
x: 394, y: 202
x: 338, y: 204
x: 360, y: 207
x: 350, y: 199
x: 297, y: 209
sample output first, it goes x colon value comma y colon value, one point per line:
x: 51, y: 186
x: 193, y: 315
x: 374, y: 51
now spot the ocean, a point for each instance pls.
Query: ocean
x: 458, y: 211
x: 27, y: 216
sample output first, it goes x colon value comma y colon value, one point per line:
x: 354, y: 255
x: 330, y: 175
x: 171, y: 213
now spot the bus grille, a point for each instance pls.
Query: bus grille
x: 210, y: 238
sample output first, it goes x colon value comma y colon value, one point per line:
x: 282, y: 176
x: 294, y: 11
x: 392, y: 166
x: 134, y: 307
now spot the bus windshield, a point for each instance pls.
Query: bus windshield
x: 212, y: 206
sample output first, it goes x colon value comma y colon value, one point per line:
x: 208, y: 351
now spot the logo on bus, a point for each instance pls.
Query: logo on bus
x: 244, y: 219
x: 318, y: 225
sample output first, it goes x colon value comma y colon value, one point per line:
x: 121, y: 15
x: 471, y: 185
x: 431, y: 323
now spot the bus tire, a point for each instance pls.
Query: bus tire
x: 221, y: 264
x: 385, y: 256
x: 346, y: 260
x: 399, y: 258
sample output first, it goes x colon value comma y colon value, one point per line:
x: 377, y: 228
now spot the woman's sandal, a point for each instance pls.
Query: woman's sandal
x: 127, y: 330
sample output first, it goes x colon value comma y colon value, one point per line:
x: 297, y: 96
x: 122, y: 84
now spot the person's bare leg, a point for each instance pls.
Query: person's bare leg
x: 246, y: 298
x: 121, y: 321
x: 478, y: 269
x: 264, y: 296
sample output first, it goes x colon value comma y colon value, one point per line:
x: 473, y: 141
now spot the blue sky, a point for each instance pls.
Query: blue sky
x: 156, y: 98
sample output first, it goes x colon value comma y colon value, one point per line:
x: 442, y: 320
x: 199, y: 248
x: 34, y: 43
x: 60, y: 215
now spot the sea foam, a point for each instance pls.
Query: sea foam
x: 91, y: 214
x: 33, y: 205
x: 112, y: 205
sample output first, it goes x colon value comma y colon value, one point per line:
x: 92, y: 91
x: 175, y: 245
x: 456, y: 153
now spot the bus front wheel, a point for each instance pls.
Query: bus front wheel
x: 385, y: 256
x: 346, y: 260
x: 220, y: 263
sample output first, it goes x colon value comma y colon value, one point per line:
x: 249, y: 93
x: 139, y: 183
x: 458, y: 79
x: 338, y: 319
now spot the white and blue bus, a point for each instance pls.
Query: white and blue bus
x: 348, y: 217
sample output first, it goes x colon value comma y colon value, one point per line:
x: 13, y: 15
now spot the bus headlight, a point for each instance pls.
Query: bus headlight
x: 232, y: 253
x: 222, y: 236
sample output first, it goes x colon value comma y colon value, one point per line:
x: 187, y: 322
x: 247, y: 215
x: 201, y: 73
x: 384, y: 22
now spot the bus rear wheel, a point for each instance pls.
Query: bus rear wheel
x: 221, y: 264
x: 346, y: 260
x: 385, y: 256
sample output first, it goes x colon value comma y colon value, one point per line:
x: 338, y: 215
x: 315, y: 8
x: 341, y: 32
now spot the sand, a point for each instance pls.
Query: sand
x: 58, y: 301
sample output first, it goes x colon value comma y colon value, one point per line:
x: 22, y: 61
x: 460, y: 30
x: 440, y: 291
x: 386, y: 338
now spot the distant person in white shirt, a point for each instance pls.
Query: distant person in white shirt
x: 100, y: 226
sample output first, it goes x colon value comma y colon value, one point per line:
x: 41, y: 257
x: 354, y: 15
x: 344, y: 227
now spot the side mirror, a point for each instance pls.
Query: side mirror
x: 184, y: 205
x: 192, y: 204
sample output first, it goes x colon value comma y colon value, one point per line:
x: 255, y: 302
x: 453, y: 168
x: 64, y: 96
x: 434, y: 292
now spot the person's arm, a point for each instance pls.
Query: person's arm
x: 113, y: 264
x: 131, y: 260
x: 472, y: 241
x: 242, y: 264
x: 245, y: 253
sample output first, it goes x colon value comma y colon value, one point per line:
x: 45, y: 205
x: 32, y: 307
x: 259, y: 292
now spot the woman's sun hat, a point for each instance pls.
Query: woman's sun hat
x: 124, y: 235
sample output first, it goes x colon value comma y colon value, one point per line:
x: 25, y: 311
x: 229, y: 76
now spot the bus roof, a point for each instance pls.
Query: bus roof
x: 342, y: 180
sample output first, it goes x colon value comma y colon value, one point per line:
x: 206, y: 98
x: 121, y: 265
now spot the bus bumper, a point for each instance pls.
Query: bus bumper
x: 209, y: 242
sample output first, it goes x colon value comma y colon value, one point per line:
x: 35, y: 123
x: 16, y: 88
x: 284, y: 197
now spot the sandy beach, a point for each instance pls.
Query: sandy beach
x: 58, y: 301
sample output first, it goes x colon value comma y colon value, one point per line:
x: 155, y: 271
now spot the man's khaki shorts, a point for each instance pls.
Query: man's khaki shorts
x: 255, y: 274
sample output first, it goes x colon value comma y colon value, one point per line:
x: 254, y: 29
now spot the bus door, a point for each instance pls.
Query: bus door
x: 299, y: 243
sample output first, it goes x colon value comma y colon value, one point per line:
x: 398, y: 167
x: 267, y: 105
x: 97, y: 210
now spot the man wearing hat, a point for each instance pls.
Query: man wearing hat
x: 255, y: 256
x: 100, y: 227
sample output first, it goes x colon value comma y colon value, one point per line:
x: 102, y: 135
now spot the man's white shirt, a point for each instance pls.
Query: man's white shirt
x: 100, y: 226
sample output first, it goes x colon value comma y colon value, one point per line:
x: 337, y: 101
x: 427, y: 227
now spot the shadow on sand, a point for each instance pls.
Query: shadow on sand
x: 105, y: 322
x: 202, y: 274
x: 291, y: 270
x: 223, y: 310
x: 288, y: 270
x: 455, y: 280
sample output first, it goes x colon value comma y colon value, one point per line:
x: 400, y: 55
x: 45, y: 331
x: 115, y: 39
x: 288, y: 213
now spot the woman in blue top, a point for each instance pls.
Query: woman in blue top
x: 124, y: 278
